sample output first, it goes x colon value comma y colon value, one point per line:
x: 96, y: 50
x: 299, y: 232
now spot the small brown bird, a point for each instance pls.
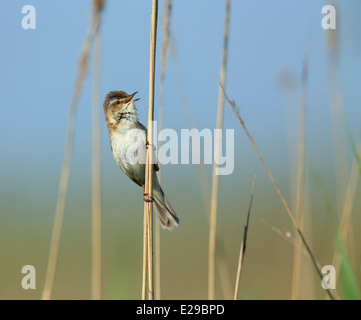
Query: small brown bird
x: 128, y: 143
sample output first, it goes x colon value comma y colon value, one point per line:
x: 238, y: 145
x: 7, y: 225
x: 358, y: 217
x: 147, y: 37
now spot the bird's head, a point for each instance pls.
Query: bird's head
x: 119, y: 105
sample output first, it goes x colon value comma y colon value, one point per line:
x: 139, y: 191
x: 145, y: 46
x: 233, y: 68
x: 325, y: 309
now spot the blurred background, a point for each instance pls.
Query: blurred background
x: 267, y: 45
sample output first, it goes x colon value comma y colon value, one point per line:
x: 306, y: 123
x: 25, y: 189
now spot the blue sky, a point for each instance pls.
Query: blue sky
x: 38, y: 69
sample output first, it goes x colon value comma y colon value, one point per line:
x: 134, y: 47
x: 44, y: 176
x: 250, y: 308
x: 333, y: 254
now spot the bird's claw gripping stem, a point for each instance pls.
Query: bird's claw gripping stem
x: 147, y: 198
x: 147, y: 144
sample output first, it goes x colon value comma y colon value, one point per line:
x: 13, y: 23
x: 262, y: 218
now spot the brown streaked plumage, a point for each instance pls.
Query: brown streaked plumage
x: 114, y: 95
x: 128, y: 144
x: 113, y: 102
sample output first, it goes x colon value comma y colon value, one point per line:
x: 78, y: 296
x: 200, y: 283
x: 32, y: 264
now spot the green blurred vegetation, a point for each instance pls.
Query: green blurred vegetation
x: 27, y: 216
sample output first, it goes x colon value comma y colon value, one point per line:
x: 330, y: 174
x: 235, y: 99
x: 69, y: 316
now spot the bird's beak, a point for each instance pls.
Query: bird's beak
x: 130, y: 97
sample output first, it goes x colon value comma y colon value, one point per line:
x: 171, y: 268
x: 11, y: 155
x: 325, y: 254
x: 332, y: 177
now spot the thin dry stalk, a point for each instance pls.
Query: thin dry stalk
x: 337, y: 112
x: 217, y: 152
x: 244, y: 243
x: 145, y: 254
x: 164, y: 58
x: 283, y: 234
x: 96, y: 173
x: 296, y: 273
x: 300, y: 198
x: 223, y: 267
x: 65, y: 170
x: 289, y: 213
x: 150, y: 251
x: 290, y: 239
x: 347, y: 208
x: 148, y: 205
x: 157, y: 261
x: 345, y: 200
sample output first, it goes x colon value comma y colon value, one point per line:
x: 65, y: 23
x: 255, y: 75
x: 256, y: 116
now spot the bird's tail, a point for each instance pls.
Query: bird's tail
x: 165, y: 212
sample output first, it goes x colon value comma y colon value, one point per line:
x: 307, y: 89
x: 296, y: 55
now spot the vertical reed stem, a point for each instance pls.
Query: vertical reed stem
x: 164, y: 58
x: 157, y: 261
x: 244, y: 243
x: 300, y: 199
x: 96, y: 173
x: 337, y: 111
x: 297, y: 254
x: 145, y: 254
x: 149, y: 164
x: 65, y: 170
x: 217, y: 151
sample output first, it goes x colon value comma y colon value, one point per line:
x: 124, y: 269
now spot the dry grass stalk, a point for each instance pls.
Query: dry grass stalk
x: 145, y: 254
x: 148, y: 205
x: 345, y: 220
x: 296, y: 274
x: 157, y: 262
x: 300, y: 198
x: 65, y: 170
x: 345, y: 199
x: 337, y: 112
x: 290, y: 239
x: 289, y: 213
x: 164, y: 58
x: 244, y: 243
x: 217, y: 152
x: 96, y: 169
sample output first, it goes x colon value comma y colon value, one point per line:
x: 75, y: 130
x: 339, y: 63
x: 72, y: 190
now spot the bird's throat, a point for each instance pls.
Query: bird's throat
x: 126, y: 116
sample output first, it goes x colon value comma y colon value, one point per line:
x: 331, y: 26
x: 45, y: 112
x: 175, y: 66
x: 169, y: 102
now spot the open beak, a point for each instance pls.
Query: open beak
x: 130, y: 97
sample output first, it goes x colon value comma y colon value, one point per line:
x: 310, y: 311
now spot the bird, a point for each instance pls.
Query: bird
x: 128, y: 139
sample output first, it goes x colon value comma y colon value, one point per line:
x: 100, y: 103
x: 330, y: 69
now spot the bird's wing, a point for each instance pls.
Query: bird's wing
x: 156, y: 166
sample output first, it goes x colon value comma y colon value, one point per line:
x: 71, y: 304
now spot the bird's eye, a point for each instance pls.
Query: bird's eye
x: 118, y: 102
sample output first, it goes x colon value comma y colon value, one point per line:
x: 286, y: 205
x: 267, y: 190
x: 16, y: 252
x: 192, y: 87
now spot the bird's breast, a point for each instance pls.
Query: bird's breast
x: 129, y: 151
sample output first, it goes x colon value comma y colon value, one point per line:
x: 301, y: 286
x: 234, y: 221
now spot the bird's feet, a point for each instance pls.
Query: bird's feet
x: 146, y: 196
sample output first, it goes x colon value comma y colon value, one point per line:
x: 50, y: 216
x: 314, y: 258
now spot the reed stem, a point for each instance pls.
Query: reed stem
x: 96, y: 173
x: 65, y: 170
x: 289, y: 213
x: 148, y: 205
x: 217, y: 152
x: 244, y: 243
x: 164, y: 57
